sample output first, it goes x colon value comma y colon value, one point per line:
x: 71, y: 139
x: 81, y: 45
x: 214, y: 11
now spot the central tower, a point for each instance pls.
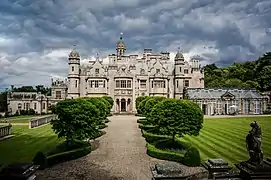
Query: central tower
x: 121, y: 48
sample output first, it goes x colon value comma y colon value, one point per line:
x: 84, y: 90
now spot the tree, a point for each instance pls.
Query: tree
x: 141, y: 107
x: 139, y: 100
x: 100, y: 106
x: 3, y: 102
x: 177, y: 117
x: 264, y: 78
x: 110, y: 100
x: 150, y: 103
x: 77, y: 119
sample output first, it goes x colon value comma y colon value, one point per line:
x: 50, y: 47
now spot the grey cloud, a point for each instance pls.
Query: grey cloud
x: 218, y: 31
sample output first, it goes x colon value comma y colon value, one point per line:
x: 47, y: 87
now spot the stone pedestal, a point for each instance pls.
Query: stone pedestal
x: 250, y: 171
x: 219, y: 169
x: 176, y: 171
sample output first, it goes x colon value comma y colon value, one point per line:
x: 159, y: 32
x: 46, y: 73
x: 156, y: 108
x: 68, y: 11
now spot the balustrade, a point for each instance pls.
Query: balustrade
x: 5, y: 130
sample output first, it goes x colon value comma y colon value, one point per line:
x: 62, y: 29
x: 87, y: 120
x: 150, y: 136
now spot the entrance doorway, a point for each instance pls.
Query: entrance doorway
x: 204, y: 109
x: 123, y: 105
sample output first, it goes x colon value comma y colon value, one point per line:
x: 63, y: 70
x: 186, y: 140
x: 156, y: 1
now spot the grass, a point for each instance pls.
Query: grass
x: 225, y: 138
x: 26, y: 143
x: 21, y: 119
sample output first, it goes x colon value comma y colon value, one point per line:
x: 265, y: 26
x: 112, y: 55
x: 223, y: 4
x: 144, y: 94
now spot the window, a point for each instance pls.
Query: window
x: 43, y: 105
x: 72, y: 68
x: 27, y: 106
x: 157, y: 70
x: 219, y: 107
x: 186, y: 83
x: 180, y: 69
x: 129, y: 84
x: 96, y: 84
x: 247, y: 107
x: 152, y: 84
x: 186, y: 71
x: 19, y: 106
x: 96, y: 71
x: 143, y: 84
x: 257, y: 107
x: 76, y: 83
x: 117, y: 84
x: 123, y: 84
x: 104, y: 84
x: 24, y: 105
x: 58, y: 94
x: 35, y: 106
x: 159, y: 84
x: 177, y: 83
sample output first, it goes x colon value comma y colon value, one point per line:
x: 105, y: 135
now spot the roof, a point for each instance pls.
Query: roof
x: 205, y: 93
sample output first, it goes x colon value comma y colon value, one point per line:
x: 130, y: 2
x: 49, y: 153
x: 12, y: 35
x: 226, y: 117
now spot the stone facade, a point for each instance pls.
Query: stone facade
x: 40, y: 103
x: 228, y: 101
x: 126, y: 77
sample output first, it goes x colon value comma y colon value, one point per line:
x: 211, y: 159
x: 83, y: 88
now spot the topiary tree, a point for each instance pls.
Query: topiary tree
x: 150, y: 103
x: 138, y: 101
x: 177, y: 117
x: 192, y: 157
x: 108, y: 105
x: 77, y: 119
x: 110, y: 100
x: 100, y: 105
x: 141, y: 107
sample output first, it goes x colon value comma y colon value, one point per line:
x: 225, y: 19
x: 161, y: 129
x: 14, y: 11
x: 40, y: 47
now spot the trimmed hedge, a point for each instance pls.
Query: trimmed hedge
x: 192, y: 157
x: 142, y: 121
x: 48, y: 159
x: 146, y: 127
x: 163, y: 154
x: 150, y: 138
x: 101, y: 133
x: 106, y: 120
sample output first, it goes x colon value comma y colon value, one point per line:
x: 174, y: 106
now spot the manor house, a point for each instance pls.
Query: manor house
x: 126, y: 77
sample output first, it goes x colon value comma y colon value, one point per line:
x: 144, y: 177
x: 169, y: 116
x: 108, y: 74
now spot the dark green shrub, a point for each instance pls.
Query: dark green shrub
x: 150, y: 103
x: 192, y: 157
x: 40, y: 159
x: 146, y: 127
x: 106, y: 120
x: 151, y: 138
x: 102, y: 126
x: 141, y: 106
x: 163, y: 154
x: 31, y: 112
x: 142, y: 121
x: 138, y: 101
x: 99, y: 134
x: 177, y: 117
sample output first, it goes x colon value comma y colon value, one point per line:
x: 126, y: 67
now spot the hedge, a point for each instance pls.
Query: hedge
x: 99, y: 134
x: 163, y: 154
x: 150, y: 138
x: 102, y: 126
x: 146, y: 127
x: 106, y: 120
x: 48, y: 159
x: 142, y: 121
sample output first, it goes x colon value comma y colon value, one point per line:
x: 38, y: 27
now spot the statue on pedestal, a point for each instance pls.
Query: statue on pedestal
x: 253, y: 142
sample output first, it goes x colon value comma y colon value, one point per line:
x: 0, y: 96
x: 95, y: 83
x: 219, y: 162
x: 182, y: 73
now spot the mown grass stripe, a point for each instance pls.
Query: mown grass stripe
x: 226, y: 144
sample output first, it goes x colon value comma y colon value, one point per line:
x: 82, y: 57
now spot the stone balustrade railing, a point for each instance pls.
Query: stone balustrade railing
x: 5, y: 131
x: 41, y: 121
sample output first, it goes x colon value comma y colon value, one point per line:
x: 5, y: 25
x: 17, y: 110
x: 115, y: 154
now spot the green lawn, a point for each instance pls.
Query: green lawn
x: 225, y: 138
x: 26, y: 143
x: 21, y: 119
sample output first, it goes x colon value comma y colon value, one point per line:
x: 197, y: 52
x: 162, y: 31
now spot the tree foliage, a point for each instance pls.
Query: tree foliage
x: 139, y: 100
x: 249, y: 74
x: 77, y: 119
x: 141, y: 106
x: 177, y: 117
x: 110, y: 100
x: 150, y: 103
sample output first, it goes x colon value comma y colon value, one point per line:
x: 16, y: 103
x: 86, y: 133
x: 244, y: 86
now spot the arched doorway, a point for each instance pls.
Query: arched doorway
x: 123, y: 105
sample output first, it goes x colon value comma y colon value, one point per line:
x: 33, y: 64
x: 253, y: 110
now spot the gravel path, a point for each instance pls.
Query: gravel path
x: 121, y: 156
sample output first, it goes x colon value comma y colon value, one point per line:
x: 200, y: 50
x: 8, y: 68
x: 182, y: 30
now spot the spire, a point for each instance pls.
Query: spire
x: 121, y: 35
x: 121, y: 48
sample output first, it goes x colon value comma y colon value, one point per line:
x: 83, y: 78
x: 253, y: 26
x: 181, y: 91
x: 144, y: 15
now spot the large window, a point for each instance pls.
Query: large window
x: 159, y: 84
x: 58, y: 94
x: 257, y: 107
x: 35, y: 106
x: 143, y: 84
x: 43, y: 105
x: 185, y: 71
x: 247, y: 107
x: 96, y: 84
x: 76, y: 83
x: 123, y: 84
x: 27, y: 106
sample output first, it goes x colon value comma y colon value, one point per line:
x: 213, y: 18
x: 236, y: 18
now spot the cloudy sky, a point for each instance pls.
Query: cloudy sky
x: 37, y: 35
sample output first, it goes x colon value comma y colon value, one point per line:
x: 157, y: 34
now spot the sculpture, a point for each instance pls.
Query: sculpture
x: 253, y: 142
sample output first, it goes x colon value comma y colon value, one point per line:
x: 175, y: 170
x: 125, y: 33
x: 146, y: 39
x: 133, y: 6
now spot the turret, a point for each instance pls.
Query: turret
x: 178, y: 63
x: 74, y: 75
x: 121, y: 48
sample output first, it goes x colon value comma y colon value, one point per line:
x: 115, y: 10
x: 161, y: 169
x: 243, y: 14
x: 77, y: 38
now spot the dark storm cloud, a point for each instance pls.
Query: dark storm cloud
x: 36, y: 36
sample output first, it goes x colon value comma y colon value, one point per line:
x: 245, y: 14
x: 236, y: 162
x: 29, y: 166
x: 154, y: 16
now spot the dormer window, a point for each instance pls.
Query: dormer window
x: 97, y: 71
x: 157, y: 70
